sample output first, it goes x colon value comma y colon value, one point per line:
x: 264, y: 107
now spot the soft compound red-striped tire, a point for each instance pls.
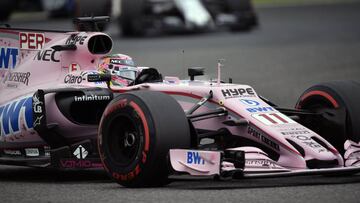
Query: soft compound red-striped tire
x: 339, y: 103
x: 136, y: 131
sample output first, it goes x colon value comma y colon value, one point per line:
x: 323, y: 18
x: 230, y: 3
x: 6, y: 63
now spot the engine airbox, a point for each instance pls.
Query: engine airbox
x: 99, y: 44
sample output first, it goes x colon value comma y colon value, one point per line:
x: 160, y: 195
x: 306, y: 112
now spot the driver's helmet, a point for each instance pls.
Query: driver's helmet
x: 121, y: 67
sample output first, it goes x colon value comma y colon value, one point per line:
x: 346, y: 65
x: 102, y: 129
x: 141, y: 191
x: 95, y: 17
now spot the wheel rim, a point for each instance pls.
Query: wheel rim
x: 125, y: 139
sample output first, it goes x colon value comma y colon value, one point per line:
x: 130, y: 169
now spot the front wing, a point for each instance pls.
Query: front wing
x: 241, y: 162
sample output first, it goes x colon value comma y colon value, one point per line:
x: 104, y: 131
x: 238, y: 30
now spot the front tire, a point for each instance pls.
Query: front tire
x: 340, y: 103
x: 136, y: 132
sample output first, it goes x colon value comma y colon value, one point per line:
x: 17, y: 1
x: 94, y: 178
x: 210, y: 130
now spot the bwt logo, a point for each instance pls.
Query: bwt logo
x: 12, y: 113
x: 8, y: 57
x: 260, y: 109
x: 194, y: 158
x: 249, y: 102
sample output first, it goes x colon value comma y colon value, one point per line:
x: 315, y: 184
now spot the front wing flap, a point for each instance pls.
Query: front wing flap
x: 257, y: 165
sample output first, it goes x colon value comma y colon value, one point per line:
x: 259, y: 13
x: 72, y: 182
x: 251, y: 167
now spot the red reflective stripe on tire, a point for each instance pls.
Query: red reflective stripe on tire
x: 143, y: 119
x: 323, y: 94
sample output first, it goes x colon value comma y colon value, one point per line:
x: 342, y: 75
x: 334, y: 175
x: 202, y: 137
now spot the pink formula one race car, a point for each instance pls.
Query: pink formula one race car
x: 58, y: 109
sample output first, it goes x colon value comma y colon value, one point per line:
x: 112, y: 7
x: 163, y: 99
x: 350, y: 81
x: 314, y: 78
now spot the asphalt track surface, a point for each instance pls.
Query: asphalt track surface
x: 294, y: 48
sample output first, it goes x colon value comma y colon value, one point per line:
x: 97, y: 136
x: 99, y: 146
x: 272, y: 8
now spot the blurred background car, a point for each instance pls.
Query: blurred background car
x: 56, y: 8
x: 138, y: 17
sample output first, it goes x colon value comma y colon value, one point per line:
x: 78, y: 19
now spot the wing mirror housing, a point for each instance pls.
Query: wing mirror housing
x: 195, y: 71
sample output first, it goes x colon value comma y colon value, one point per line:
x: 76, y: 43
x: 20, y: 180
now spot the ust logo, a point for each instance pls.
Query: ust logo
x: 194, y: 158
x: 15, y: 113
x: 8, y: 57
x: 249, y: 102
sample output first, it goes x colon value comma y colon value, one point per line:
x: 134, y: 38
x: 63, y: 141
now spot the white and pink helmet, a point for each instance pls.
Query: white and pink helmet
x: 121, y: 67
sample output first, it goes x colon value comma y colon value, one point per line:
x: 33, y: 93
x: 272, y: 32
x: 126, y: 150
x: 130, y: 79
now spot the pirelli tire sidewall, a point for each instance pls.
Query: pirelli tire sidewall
x: 336, y: 94
x: 160, y: 125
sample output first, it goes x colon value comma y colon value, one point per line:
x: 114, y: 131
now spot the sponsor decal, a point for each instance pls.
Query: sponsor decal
x: 33, y: 41
x: 11, y: 85
x: 295, y: 131
x: 80, y: 152
x: 47, y: 55
x: 38, y: 109
x: 92, y: 98
x: 32, y: 152
x: 260, y: 136
x: 75, y: 79
x: 37, y: 104
x: 18, y: 77
x: 76, y: 39
x: 275, y: 118
x: 79, y: 78
x: 250, y: 102
x: 12, y: 152
x: 262, y: 163
x: 13, y: 114
x: 47, y: 151
x: 128, y: 62
x: 70, y: 163
x: 37, y: 121
x: 238, y: 92
x: 74, y: 67
x: 116, y: 61
x: 260, y: 109
x: 309, y: 142
x: 194, y: 158
x: 8, y: 57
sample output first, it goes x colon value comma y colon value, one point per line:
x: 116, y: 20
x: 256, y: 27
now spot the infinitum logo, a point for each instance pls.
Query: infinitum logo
x: 92, y: 98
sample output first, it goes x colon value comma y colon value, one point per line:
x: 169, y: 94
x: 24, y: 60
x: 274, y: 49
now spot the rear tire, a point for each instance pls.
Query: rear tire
x: 344, y: 98
x: 136, y: 132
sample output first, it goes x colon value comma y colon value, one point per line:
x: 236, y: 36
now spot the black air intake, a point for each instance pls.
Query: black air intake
x: 100, y: 44
x: 83, y: 107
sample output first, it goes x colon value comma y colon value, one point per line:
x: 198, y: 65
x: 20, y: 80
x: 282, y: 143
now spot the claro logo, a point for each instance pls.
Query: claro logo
x: 74, y: 79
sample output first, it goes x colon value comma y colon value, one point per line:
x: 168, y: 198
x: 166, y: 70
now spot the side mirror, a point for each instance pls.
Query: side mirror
x: 99, y: 78
x: 195, y: 71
